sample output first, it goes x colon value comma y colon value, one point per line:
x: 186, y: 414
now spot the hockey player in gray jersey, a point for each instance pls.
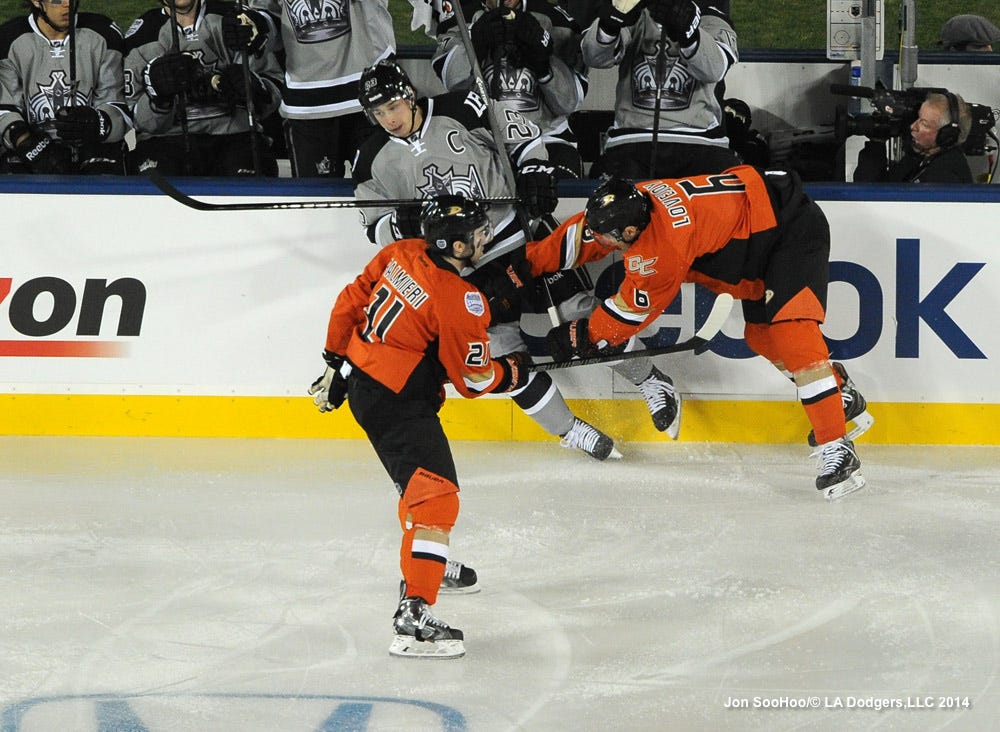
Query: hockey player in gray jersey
x: 684, y: 79
x: 326, y: 44
x: 444, y: 144
x: 529, y: 54
x: 189, y: 96
x: 62, y: 109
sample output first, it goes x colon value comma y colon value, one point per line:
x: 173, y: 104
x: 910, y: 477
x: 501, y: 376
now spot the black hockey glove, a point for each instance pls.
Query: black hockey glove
x: 533, y: 42
x: 488, y: 33
x: 613, y: 15
x: 230, y: 85
x: 516, y: 371
x: 536, y: 188
x: 41, y: 153
x: 82, y: 124
x: 330, y: 390
x: 405, y: 222
x: 244, y: 30
x: 169, y: 75
x: 503, y: 287
x: 679, y: 18
x: 570, y: 339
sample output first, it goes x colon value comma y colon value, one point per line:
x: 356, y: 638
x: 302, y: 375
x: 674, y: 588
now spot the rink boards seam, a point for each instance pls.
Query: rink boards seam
x: 486, y: 419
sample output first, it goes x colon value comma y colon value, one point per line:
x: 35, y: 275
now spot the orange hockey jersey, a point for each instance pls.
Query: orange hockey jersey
x: 405, y: 307
x: 716, y: 230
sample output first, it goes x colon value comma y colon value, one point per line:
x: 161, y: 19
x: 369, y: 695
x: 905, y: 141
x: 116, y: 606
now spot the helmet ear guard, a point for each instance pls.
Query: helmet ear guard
x: 615, y: 205
x: 448, y: 218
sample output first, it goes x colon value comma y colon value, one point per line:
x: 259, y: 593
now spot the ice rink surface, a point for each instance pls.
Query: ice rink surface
x: 241, y: 585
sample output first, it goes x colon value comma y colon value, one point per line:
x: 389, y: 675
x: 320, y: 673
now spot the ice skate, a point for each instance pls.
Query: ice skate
x: 855, y: 407
x: 421, y: 635
x: 591, y: 440
x: 458, y: 579
x: 664, y: 402
x: 839, y: 469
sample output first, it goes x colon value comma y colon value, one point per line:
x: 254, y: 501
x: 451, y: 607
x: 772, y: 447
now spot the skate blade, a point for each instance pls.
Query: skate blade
x: 855, y: 482
x: 442, y: 590
x: 406, y: 646
x: 674, y: 430
x: 862, y: 423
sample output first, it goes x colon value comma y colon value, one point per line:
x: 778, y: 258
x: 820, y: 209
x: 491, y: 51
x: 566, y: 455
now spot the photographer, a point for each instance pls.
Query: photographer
x: 934, y: 154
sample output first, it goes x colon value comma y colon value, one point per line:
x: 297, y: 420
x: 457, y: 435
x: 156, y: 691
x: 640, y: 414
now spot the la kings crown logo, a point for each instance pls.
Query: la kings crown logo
x: 60, y: 93
x: 518, y: 86
x: 678, y: 83
x: 315, y: 21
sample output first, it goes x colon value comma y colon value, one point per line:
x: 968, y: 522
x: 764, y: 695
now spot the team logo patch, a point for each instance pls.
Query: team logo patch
x: 643, y: 266
x: 474, y: 303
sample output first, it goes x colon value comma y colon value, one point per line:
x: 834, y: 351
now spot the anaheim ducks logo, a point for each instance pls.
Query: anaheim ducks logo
x: 315, y: 21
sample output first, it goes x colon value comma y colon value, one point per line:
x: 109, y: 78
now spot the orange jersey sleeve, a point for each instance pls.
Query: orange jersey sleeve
x: 705, y: 229
x: 405, y: 307
x: 569, y: 246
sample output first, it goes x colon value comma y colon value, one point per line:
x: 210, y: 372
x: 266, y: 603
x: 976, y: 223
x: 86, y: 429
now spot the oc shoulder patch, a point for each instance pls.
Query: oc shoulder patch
x: 474, y: 303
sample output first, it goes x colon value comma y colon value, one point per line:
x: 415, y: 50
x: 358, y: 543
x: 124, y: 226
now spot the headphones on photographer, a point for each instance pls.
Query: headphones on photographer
x: 947, y: 135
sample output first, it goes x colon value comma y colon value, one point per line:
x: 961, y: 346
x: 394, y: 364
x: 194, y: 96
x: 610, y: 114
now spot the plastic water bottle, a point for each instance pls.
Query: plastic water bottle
x: 854, y: 103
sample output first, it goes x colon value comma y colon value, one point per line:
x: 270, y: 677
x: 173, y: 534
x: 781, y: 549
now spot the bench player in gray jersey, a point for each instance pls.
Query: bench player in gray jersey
x: 189, y: 96
x: 326, y: 43
x: 701, y: 48
x: 444, y: 144
x: 529, y: 54
x: 62, y: 109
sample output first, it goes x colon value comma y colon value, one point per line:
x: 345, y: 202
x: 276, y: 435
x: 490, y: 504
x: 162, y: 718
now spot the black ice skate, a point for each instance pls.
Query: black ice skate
x: 839, y: 469
x: 458, y: 579
x: 664, y: 402
x: 421, y: 635
x: 591, y: 440
x: 855, y: 407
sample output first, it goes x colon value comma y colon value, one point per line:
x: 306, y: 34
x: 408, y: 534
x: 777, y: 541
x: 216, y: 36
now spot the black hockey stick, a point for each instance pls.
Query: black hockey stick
x: 709, y: 329
x: 73, y: 82
x: 661, y: 68
x: 161, y: 182
x: 182, y: 112
x: 251, y: 117
x: 479, y: 83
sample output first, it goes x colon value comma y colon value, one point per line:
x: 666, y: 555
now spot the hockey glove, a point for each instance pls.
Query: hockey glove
x: 503, y: 287
x: 516, y: 368
x: 570, y: 339
x: 41, y: 153
x: 231, y: 86
x: 679, y: 18
x: 405, y: 222
x: 613, y: 15
x: 167, y: 76
x: 246, y: 29
x: 489, y: 32
x: 534, y: 43
x: 536, y: 188
x: 82, y: 124
x: 330, y: 390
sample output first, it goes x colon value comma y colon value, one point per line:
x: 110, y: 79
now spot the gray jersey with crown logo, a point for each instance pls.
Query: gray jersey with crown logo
x: 452, y: 152
x: 35, y: 75
x: 327, y: 44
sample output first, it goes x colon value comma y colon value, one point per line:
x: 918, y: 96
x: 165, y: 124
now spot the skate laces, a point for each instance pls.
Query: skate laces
x: 582, y: 436
x: 656, y: 390
x: 832, y: 456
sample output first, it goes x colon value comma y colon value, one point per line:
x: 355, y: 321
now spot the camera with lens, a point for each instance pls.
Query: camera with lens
x: 893, y: 111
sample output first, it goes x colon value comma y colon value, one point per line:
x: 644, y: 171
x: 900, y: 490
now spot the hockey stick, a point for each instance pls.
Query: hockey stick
x: 251, y: 117
x: 709, y: 329
x: 161, y: 182
x: 661, y: 67
x: 72, y: 52
x: 182, y: 97
x: 479, y: 82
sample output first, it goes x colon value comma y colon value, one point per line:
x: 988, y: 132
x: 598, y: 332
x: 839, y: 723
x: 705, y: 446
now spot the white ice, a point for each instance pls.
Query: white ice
x: 219, y: 585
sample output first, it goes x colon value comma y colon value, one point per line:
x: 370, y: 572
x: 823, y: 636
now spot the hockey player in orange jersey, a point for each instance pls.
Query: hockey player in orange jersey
x: 753, y: 234
x: 406, y: 325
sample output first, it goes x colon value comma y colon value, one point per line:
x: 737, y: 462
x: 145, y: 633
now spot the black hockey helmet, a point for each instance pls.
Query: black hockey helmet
x: 616, y: 204
x: 384, y: 82
x: 447, y: 218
